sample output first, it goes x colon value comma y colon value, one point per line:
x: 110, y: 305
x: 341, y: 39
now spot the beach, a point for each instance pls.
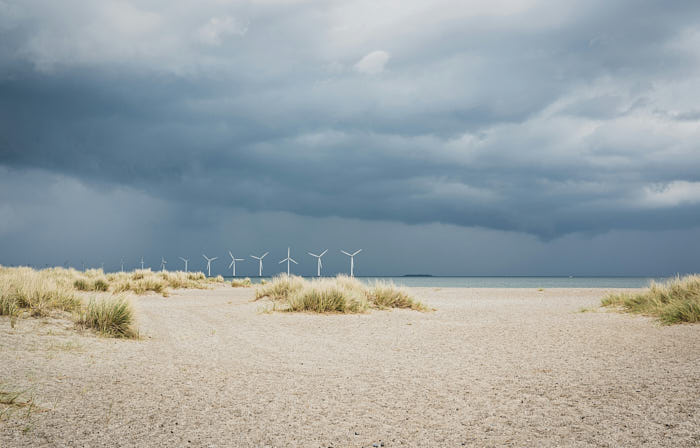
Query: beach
x: 488, y: 367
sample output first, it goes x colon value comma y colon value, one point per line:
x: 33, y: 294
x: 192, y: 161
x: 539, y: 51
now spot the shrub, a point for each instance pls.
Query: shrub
x: 675, y: 301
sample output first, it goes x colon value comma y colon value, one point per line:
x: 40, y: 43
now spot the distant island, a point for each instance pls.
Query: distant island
x: 417, y: 275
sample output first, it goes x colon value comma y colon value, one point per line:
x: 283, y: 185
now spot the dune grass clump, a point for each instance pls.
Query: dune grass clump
x: 672, y: 302
x: 241, y: 283
x: 8, y: 307
x: 113, y: 317
x: 388, y: 295
x: 280, y: 287
x: 26, y: 290
x: 217, y: 279
x: 341, y: 294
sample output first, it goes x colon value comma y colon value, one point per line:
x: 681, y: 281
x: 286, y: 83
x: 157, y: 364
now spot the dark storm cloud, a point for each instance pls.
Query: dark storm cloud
x: 542, y: 117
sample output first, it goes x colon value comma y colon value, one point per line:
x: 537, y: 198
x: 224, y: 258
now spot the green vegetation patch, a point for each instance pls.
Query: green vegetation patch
x: 672, y: 302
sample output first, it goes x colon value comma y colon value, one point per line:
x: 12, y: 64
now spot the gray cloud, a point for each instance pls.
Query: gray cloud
x: 548, y: 120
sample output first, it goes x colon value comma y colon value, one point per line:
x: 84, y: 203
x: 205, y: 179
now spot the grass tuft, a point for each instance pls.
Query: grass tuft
x: 110, y: 317
x: 279, y: 287
x: 341, y: 294
x: 241, y: 283
x: 672, y: 302
x: 388, y: 295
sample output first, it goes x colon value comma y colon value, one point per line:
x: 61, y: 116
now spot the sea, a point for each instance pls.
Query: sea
x: 509, y: 282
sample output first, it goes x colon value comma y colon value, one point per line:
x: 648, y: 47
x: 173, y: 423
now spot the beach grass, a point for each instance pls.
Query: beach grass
x: 674, y: 301
x: 113, y: 317
x: 12, y: 399
x: 341, y: 294
x: 37, y: 293
x: 24, y: 290
x: 241, y: 283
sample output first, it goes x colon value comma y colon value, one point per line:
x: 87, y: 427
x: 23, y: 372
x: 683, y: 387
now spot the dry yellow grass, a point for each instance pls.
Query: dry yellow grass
x: 28, y: 292
x: 241, y: 283
x: 112, y: 316
x: 24, y: 290
x: 341, y: 294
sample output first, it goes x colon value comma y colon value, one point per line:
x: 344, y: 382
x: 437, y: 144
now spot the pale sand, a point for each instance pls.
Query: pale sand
x: 491, y: 367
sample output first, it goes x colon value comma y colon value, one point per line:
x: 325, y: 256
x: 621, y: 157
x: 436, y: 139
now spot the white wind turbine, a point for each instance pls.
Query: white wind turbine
x: 352, y: 261
x: 260, y: 262
x: 162, y: 264
x: 122, y: 264
x: 142, y: 263
x: 319, y: 265
x: 288, y: 259
x: 233, y: 262
x: 186, y: 260
x: 209, y: 260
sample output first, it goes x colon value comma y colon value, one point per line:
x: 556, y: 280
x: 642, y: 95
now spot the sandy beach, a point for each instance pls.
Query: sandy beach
x: 490, y: 367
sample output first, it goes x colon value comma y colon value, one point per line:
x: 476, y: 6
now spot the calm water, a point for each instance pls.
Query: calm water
x: 514, y: 282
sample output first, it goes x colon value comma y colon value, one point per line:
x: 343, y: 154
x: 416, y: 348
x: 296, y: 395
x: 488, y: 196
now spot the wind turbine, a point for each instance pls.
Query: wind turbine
x: 260, y: 262
x: 352, y: 261
x: 209, y: 260
x: 122, y: 264
x: 142, y: 263
x: 288, y: 259
x: 185, y: 260
x: 320, y: 265
x: 162, y: 264
x: 233, y: 262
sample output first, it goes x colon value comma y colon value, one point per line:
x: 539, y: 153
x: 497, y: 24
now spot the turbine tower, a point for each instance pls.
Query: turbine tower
x: 122, y: 264
x: 352, y: 260
x: 162, y: 264
x: 260, y: 262
x: 233, y: 262
x: 319, y: 265
x: 288, y: 259
x: 142, y: 263
x: 185, y: 260
x: 209, y: 260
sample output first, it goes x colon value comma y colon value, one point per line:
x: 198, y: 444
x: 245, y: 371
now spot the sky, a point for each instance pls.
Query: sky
x: 447, y: 137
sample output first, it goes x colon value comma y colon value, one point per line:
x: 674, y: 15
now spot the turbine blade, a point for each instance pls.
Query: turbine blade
x: 229, y: 252
x: 292, y: 260
x: 214, y: 258
x: 323, y: 253
x: 357, y: 252
x: 263, y: 256
x: 346, y: 253
x: 282, y: 261
x: 313, y: 255
x: 229, y: 266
